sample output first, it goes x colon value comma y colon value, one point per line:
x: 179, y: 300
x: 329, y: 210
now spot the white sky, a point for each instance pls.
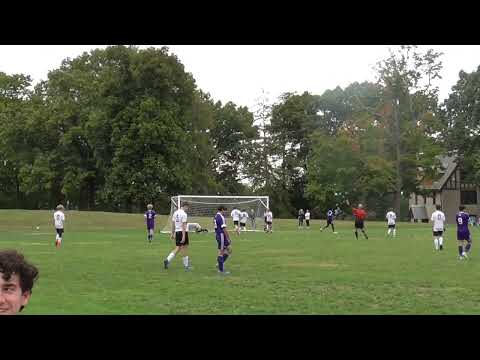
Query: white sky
x: 239, y: 73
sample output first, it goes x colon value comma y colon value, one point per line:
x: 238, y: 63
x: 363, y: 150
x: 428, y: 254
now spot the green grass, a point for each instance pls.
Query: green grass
x: 106, y: 266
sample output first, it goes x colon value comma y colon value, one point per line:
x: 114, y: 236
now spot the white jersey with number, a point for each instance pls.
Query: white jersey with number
x: 235, y: 214
x: 179, y: 218
x: 269, y: 216
x: 391, y: 217
x: 307, y: 215
x: 244, y: 217
x: 59, y: 218
x: 438, y: 219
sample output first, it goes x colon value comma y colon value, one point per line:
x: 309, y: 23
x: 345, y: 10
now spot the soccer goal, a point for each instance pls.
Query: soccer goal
x: 202, y: 209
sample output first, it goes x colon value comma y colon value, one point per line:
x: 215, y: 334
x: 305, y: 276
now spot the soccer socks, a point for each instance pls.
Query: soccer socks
x: 170, y: 256
x: 435, y: 241
x: 333, y: 228
x: 225, y: 257
x: 356, y: 234
x: 185, y: 261
x: 365, y: 234
x: 440, y: 241
x: 467, y: 248
x: 394, y: 232
x: 220, y: 263
x: 460, y: 251
x: 389, y: 231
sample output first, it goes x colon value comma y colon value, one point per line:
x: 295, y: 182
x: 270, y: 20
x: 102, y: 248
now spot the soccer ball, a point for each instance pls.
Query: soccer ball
x: 38, y: 227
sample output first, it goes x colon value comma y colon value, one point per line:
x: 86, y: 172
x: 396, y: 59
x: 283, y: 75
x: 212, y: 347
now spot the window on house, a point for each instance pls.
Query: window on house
x: 468, y: 197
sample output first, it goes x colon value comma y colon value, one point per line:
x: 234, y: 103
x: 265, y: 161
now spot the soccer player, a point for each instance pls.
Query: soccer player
x: 360, y: 215
x: 235, y: 214
x: 268, y: 220
x: 391, y: 217
x: 463, y: 233
x: 195, y: 227
x: 438, y: 218
x: 329, y: 221
x: 17, y: 277
x: 307, y: 218
x: 339, y: 212
x: 150, y: 220
x: 243, y: 220
x: 301, y: 216
x: 223, y: 240
x: 180, y: 234
x: 59, y: 222
x: 252, y: 219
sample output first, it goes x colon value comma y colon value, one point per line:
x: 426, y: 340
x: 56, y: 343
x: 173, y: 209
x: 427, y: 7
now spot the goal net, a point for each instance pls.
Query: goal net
x: 202, y: 209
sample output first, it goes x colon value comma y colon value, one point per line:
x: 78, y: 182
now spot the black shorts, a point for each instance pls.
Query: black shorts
x: 269, y: 223
x: 437, y: 233
x: 391, y: 226
x: 359, y: 224
x: 59, y: 232
x: 329, y: 221
x: 235, y: 222
x: 243, y: 224
x: 178, y: 238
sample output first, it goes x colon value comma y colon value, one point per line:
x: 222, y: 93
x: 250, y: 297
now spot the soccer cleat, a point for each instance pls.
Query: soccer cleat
x: 188, y: 268
x: 335, y: 232
x: 465, y: 255
x: 461, y: 258
x: 165, y: 264
x: 224, y: 272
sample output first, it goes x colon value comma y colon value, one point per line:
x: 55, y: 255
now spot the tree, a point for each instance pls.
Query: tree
x: 461, y: 118
x: 232, y: 135
x: 408, y: 96
x: 15, y: 150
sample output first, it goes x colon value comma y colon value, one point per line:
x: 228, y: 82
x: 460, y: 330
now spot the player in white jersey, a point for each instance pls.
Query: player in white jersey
x: 180, y: 234
x: 235, y: 214
x: 59, y: 223
x: 438, y: 219
x: 243, y: 220
x: 391, y: 218
x: 307, y: 218
x: 268, y: 220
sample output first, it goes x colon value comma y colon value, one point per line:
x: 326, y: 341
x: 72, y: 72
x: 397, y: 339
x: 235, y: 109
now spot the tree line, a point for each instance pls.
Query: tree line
x: 116, y: 128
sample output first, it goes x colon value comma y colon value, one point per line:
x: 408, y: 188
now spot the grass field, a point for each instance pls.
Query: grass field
x: 106, y: 266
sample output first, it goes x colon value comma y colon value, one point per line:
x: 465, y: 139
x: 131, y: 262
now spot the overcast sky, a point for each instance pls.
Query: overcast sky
x: 239, y: 73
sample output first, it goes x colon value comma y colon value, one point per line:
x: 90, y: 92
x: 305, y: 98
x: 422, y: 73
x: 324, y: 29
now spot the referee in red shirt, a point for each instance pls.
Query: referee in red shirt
x: 360, y: 216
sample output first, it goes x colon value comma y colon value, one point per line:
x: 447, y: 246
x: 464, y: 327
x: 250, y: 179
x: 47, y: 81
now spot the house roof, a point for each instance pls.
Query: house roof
x: 448, y: 165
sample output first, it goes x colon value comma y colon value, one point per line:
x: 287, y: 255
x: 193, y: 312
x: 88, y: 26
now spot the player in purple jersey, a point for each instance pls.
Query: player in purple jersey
x: 463, y: 233
x: 329, y: 221
x: 150, y: 221
x: 223, y: 239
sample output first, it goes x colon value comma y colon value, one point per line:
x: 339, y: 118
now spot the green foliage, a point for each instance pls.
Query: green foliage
x: 461, y: 118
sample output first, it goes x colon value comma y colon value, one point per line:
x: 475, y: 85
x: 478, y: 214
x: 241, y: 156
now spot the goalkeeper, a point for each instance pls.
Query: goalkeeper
x: 196, y: 227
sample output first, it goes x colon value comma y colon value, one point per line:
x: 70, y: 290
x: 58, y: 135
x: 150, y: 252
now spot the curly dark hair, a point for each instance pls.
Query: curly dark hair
x: 12, y: 262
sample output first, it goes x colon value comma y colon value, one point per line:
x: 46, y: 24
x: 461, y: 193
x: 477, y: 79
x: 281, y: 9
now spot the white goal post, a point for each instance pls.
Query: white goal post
x: 202, y: 209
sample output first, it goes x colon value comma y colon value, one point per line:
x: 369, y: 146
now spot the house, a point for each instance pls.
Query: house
x: 449, y: 190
